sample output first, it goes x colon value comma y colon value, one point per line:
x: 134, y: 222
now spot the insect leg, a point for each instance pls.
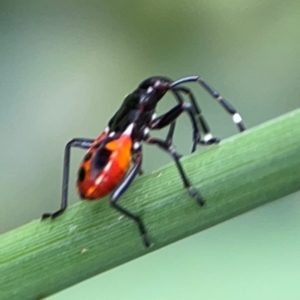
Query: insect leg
x: 133, y: 160
x: 168, y: 147
x: 172, y: 115
x: 75, y: 143
x: 215, y: 94
x: 208, y: 138
x: 122, y: 188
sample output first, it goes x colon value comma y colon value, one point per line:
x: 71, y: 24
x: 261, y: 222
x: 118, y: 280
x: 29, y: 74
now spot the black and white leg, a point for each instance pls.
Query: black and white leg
x: 208, y: 139
x: 133, y: 160
x: 123, y: 186
x: 168, y: 147
x: 74, y: 143
x: 215, y: 94
x: 170, y: 117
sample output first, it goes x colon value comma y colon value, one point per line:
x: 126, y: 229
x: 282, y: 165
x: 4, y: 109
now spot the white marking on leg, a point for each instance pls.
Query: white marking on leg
x: 236, y: 118
x: 136, y: 145
x: 146, y: 131
x: 207, y: 137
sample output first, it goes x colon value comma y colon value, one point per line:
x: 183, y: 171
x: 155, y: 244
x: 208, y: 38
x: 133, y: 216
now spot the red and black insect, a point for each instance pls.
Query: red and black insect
x: 106, y: 166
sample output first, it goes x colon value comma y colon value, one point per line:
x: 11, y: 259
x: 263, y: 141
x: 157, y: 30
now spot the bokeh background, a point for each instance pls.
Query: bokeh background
x: 65, y: 67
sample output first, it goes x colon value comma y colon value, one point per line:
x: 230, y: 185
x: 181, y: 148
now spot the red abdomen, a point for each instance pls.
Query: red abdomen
x: 104, y: 166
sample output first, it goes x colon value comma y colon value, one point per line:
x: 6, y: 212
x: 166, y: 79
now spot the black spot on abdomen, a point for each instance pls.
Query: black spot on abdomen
x: 101, y: 159
x: 87, y: 156
x: 81, y: 174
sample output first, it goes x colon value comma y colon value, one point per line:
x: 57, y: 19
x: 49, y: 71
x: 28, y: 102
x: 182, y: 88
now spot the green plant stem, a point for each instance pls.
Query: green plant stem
x: 243, y: 172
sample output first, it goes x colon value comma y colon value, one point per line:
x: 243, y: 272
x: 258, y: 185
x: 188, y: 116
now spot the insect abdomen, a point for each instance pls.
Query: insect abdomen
x: 105, y: 168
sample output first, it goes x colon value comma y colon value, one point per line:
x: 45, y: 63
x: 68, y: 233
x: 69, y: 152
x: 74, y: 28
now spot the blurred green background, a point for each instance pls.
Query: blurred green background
x: 65, y: 68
